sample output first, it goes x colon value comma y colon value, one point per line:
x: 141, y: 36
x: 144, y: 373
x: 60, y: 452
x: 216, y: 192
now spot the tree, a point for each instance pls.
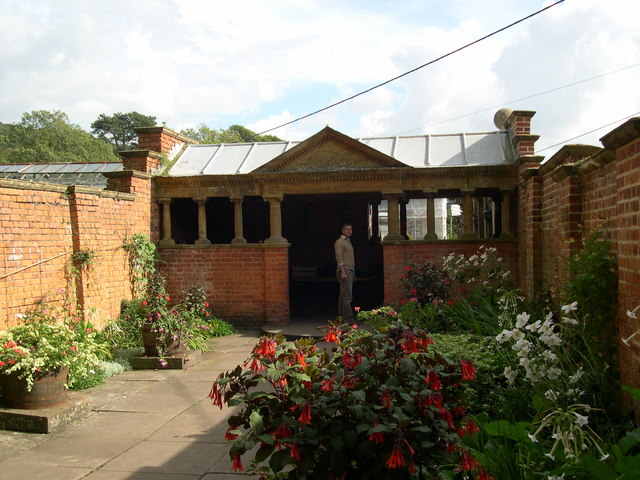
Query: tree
x: 48, y: 137
x: 119, y: 128
x: 233, y: 134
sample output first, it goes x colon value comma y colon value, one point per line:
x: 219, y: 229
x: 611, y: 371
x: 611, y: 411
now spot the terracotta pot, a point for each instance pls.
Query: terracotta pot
x: 48, y: 390
x: 152, y: 341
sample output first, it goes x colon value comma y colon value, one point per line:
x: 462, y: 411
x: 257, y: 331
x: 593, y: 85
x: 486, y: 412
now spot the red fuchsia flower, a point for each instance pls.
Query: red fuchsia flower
x: 216, y: 395
x: 357, y: 309
x: 294, y: 451
x: 451, y: 302
x: 266, y: 348
x: 327, y: 385
x: 168, y: 298
x: 230, y: 436
x: 468, y: 370
x: 351, y: 361
x: 305, y: 416
x: 467, y: 462
x: 255, y: 366
x: 458, y: 412
x: 414, y: 291
x: 377, y: 438
x: 411, y: 450
x: 206, y: 304
x: 433, y: 380
x: 282, y: 432
x: 451, y: 448
x: 237, y: 463
x: 446, y: 416
x: 483, y: 474
x: 350, y: 383
x: 470, y: 427
x: 409, y: 342
x: 407, y: 268
x: 332, y: 335
x: 396, y: 460
x: 403, y: 301
x: 385, y: 400
x: 300, y: 359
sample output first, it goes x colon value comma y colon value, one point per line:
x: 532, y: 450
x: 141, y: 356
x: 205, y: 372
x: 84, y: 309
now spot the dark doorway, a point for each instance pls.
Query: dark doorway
x: 312, y: 223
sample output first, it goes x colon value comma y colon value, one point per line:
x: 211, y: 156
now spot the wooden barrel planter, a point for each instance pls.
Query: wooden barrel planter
x: 48, y: 390
x: 152, y: 342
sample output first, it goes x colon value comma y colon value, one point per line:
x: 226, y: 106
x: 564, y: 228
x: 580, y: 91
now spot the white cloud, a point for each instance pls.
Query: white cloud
x: 261, y: 64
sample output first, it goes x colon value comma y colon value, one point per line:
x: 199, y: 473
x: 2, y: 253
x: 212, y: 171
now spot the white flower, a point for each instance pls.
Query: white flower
x: 581, y: 419
x: 556, y: 436
x: 552, y: 340
x: 550, y: 455
x: 523, y: 346
x: 532, y: 438
x: 517, y: 334
x: 20, y: 316
x: 503, y: 336
x: 604, y: 457
x: 553, y: 373
x: 510, y: 374
x: 549, y: 356
x: 534, y: 326
x: 522, y: 319
x: 570, y: 321
x: 577, y: 376
x: 569, y: 308
x: 551, y: 395
x: 560, y: 477
x: 548, y: 318
x: 631, y: 314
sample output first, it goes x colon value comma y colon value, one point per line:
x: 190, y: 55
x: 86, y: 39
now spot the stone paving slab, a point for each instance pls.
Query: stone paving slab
x: 144, y: 425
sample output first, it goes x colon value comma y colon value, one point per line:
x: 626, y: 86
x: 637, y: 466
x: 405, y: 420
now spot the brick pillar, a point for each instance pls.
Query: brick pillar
x: 161, y: 140
x: 276, y: 284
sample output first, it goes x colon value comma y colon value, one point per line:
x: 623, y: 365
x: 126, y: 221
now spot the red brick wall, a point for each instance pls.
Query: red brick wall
x: 247, y: 285
x: 43, y: 224
x: 397, y: 255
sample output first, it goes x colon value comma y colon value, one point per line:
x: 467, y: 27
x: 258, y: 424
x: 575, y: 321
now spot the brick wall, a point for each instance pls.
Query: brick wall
x: 247, y: 285
x: 397, y: 255
x: 43, y: 225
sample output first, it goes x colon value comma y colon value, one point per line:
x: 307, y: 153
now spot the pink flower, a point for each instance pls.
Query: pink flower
x: 357, y: 309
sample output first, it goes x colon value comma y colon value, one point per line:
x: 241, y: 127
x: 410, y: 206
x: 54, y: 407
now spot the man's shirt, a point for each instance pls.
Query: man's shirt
x: 344, y: 253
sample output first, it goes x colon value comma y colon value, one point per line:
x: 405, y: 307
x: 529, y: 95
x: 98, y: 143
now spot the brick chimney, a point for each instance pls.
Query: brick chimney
x: 161, y: 139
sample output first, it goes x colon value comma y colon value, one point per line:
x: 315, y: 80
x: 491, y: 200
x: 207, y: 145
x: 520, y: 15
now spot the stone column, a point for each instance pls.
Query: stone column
x: 238, y: 222
x: 394, y: 218
x: 275, y: 220
x: 431, y: 216
x: 467, y: 214
x: 166, y: 222
x: 202, y: 221
x: 506, y: 213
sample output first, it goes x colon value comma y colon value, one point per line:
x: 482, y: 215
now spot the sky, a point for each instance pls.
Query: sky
x: 260, y: 64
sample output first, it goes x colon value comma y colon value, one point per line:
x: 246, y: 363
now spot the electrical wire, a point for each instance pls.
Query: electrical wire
x: 510, y: 102
x: 587, y: 133
x: 414, y: 69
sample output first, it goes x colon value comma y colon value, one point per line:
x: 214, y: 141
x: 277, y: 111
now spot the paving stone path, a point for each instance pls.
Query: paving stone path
x: 144, y: 425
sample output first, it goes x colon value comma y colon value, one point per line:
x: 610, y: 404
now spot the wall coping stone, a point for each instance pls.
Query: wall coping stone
x: 214, y: 246
x: 566, y: 152
x: 625, y: 133
x: 27, y: 185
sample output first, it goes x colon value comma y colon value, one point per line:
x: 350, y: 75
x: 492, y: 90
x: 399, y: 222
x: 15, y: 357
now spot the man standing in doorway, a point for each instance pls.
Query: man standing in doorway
x: 345, y: 272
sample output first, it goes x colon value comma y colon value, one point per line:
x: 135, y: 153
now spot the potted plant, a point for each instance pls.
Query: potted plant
x: 165, y: 332
x: 36, y: 355
x: 379, y: 405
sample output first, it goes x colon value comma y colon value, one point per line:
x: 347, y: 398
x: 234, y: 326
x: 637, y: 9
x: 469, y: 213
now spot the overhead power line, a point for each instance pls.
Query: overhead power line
x: 415, y: 69
x: 510, y: 102
x: 590, y: 131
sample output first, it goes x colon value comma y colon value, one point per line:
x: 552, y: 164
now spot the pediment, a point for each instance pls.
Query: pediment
x: 329, y: 151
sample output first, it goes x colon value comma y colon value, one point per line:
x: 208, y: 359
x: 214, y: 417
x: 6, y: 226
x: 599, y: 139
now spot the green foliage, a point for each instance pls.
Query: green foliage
x: 425, y: 283
x: 488, y: 392
x: 46, y: 340
x: 594, y: 285
x: 233, y: 134
x: 381, y: 406
x: 142, y: 262
x: 48, y: 137
x: 119, y: 129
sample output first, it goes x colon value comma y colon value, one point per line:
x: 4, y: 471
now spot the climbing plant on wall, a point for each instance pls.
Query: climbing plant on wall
x: 142, y: 262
